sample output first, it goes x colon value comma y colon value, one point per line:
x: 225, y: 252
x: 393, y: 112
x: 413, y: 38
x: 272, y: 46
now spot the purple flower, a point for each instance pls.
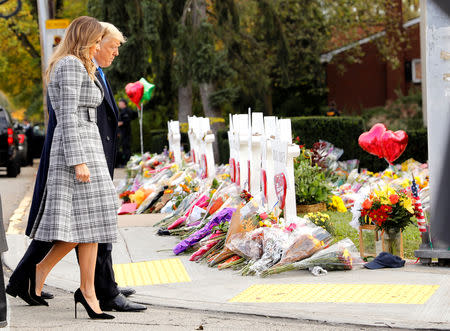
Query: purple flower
x: 221, y: 217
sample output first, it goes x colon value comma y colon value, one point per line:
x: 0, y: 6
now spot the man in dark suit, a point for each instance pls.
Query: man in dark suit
x: 111, y: 297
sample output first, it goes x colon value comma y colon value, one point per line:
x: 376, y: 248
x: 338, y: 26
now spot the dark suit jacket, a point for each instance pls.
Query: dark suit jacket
x: 107, y: 114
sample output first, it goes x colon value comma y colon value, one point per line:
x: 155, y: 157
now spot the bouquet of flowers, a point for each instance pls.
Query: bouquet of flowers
x: 341, y: 256
x: 321, y: 219
x: 388, y: 209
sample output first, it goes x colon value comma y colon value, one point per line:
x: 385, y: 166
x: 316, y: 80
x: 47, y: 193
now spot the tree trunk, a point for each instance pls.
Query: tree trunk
x: 206, y: 89
x: 268, y: 102
x: 184, y: 102
x: 395, y: 76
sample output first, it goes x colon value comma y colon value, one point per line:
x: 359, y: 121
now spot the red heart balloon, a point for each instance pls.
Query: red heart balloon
x: 393, y: 144
x: 371, y: 141
x: 135, y: 91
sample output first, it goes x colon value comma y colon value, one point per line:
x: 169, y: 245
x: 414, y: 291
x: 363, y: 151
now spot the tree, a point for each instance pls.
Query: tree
x: 20, y: 59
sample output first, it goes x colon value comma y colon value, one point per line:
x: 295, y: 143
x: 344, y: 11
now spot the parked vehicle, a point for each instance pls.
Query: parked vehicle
x: 9, y: 145
x: 24, y: 147
x: 37, y: 142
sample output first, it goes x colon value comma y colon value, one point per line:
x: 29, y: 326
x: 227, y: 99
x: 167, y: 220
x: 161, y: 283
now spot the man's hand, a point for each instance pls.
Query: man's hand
x: 82, y: 173
x: 120, y: 123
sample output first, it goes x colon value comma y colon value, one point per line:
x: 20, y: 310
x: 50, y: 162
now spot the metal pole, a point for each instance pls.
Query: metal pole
x: 140, y: 127
x: 423, y: 57
x: 43, y: 16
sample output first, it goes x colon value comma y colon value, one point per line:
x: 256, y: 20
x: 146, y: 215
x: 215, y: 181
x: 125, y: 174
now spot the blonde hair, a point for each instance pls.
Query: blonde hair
x: 110, y: 31
x: 80, y: 35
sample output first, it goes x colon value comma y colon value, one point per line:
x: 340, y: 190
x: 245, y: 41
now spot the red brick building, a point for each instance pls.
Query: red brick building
x: 372, y: 82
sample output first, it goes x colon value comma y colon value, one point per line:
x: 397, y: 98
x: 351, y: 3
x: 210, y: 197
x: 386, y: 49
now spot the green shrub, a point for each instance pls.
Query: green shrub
x: 154, y: 140
x: 343, y: 132
x: 224, y: 149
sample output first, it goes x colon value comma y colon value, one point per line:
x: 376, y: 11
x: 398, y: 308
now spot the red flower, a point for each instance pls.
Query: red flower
x: 367, y: 204
x: 393, y: 198
x: 298, y: 139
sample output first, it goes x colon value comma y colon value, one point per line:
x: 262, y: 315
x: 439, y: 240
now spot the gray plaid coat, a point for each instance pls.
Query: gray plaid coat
x: 70, y: 210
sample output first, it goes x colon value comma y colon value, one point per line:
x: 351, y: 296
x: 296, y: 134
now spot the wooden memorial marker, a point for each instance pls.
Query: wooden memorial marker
x: 208, y: 138
x: 241, y: 126
x: 257, y: 131
x: 293, y: 151
x: 281, y: 184
x: 192, y: 121
x: 270, y: 128
x: 231, y: 144
x: 174, y: 138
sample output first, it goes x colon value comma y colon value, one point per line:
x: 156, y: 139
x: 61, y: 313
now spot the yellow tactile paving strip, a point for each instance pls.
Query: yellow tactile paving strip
x: 151, y: 272
x: 357, y: 293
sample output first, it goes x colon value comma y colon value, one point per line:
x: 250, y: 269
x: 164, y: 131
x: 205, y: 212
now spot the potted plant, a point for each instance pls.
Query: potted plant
x: 311, y: 185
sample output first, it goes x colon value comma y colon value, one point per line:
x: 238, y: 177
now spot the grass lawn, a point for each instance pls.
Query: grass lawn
x: 342, y: 229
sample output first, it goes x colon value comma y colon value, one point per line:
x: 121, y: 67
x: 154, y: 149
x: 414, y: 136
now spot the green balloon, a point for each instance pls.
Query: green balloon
x: 148, y: 89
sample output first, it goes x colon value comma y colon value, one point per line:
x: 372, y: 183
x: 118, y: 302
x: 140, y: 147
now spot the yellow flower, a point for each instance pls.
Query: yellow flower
x: 407, y: 204
x: 405, y: 183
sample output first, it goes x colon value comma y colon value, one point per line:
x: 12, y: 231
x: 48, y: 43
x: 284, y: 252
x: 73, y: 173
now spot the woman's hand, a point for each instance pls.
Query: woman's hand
x: 82, y: 173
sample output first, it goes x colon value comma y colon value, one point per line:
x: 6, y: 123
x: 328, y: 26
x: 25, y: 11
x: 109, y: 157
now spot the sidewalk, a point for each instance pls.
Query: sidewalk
x: 145, y: 261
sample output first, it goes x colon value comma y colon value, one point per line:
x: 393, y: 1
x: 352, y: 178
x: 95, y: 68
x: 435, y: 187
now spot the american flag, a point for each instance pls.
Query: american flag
x: 421, y: 221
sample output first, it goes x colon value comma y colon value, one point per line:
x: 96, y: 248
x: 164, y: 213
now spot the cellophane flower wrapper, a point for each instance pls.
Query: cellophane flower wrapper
x: 156, y: 189
x: 332, y: 153
x: 137, y: 182
x: 222, y: 216
x: 238, y: 224
x: 305, y: 239
x: 303, y: 246
x: 343, y: 255
x: 275, y: 240
x: 357, y: 206
x: 247, y: 244
x: 194, y: 214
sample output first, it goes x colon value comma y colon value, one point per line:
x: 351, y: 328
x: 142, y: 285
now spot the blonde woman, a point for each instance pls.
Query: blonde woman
x: 79, y: 207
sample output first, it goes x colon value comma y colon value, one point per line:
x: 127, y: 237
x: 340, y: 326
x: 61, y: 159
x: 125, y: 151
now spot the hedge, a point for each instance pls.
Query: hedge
x: 342, y: 132
x: 154, y: 140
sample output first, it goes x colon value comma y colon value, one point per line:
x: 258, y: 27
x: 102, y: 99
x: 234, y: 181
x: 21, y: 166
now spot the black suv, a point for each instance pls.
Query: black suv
x: 9, y: 145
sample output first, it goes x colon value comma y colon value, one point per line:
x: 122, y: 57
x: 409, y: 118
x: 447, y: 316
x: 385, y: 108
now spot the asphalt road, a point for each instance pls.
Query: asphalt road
x: 60, y: 315
x: 13, y: 190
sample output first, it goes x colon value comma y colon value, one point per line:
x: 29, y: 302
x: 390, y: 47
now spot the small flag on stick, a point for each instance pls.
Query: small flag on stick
x: 421, y: 221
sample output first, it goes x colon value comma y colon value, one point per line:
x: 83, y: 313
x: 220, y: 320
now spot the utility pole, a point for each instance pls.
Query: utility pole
x: 43, y: 15
x: 51, y: 33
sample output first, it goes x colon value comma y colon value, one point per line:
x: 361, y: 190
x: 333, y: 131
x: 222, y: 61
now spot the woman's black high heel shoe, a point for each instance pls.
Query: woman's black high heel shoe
x: 32, y: 289
x: 78, y: 296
